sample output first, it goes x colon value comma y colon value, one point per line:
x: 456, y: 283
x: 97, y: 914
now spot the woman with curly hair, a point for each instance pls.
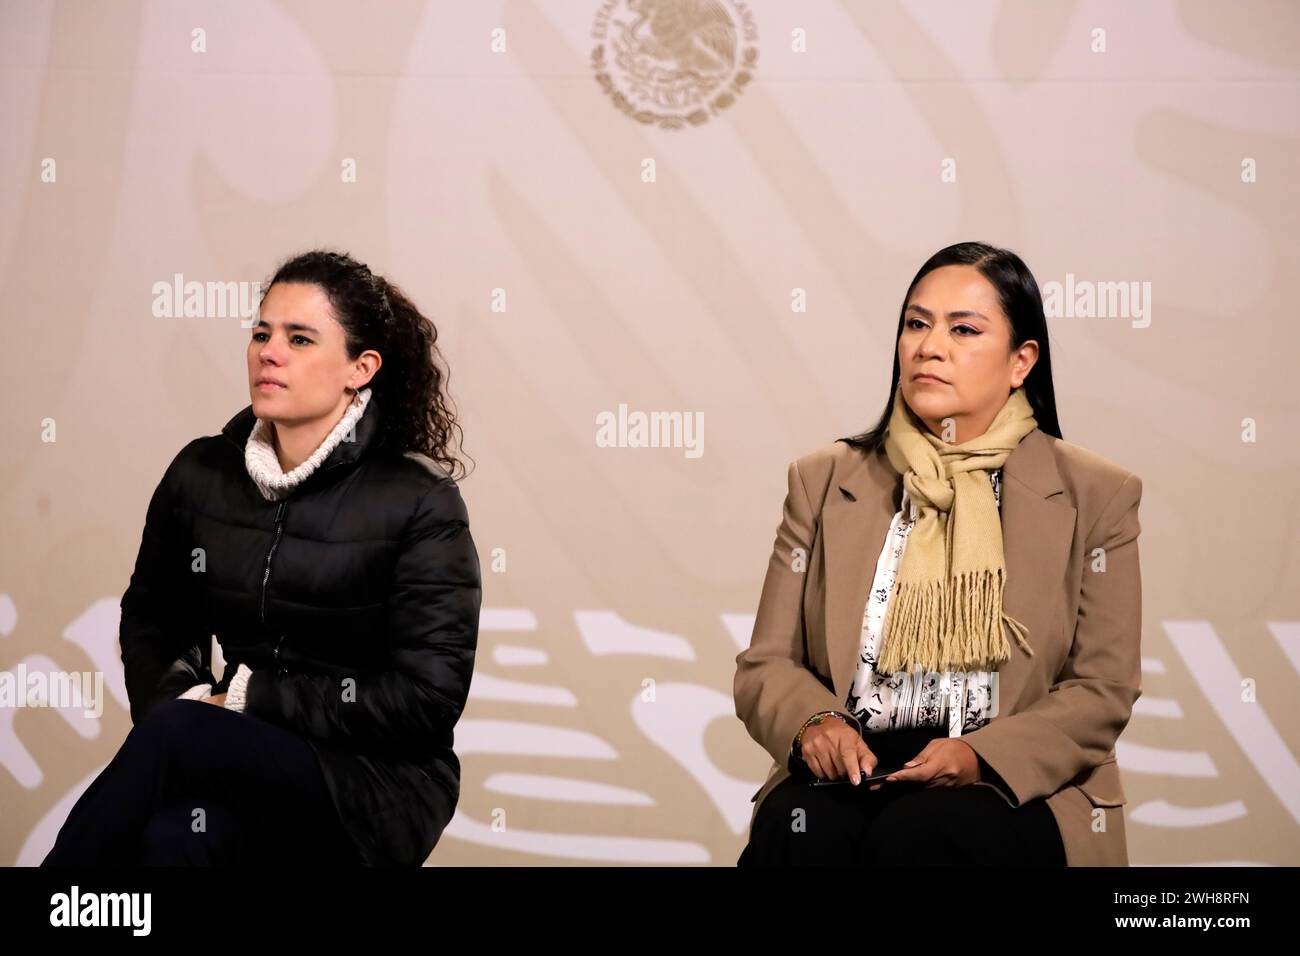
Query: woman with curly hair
x: 322, y: 539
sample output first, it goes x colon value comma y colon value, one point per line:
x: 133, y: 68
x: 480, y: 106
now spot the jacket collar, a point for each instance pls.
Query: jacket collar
x: 1031, y: 463
x: 1037, y: 532
x: 345, y: 453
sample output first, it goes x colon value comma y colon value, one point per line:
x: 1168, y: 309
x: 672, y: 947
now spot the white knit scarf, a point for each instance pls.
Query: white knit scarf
x: 264, y: 467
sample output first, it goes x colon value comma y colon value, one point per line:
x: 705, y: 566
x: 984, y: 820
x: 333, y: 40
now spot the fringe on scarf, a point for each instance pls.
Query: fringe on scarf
x: 952, y: 625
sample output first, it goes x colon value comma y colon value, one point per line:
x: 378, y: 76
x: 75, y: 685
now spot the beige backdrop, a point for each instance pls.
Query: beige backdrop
x: 723, y: 227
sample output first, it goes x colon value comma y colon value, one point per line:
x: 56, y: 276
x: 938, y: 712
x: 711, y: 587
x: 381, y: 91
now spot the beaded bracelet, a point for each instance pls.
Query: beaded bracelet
x: 813, y: 721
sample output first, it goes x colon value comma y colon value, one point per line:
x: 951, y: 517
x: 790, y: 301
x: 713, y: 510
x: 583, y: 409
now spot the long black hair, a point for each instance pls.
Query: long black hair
x: 1022, y: 302
x: 411, y: 385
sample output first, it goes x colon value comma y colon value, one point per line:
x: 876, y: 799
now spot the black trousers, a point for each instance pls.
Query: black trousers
x: 900, y: 824
x: 195, y: 784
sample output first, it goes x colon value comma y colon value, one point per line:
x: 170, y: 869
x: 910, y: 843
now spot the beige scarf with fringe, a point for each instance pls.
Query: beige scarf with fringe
x: 945, y: 612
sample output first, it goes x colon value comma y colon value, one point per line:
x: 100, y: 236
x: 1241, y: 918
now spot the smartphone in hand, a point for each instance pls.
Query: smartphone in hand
x: 877, y: 777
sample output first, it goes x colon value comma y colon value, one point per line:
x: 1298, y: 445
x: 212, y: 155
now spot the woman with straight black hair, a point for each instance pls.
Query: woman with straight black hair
x: 322, y: 539
x: 947, y: 646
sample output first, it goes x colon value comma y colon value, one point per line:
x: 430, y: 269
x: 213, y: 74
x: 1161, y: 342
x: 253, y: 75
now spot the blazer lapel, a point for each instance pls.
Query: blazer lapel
x: 855, y: 520
x: 1037, y: 535
x: 1037, y: 531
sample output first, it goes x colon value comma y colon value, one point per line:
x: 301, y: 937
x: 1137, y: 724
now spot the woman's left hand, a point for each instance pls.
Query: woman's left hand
x: 219, y: 700
x: 945, y: 762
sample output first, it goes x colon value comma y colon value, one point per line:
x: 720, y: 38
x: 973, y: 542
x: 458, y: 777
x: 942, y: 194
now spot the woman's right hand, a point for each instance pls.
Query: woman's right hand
x: 833, y: 749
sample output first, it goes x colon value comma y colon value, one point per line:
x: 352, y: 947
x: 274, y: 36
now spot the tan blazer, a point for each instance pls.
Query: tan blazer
x: 1059, y: 712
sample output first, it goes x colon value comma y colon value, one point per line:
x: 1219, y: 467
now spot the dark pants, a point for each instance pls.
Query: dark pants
x: 900, y: 824
x: 195, y: 784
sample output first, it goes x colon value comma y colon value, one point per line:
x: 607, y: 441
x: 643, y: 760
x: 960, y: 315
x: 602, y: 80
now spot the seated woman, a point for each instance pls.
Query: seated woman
x: 323, y: 540
x: 895, y: 658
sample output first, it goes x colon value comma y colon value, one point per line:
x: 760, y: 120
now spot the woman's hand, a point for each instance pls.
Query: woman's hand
x: 833, y: 749
x: 219, y: 700
x: 945, y: 762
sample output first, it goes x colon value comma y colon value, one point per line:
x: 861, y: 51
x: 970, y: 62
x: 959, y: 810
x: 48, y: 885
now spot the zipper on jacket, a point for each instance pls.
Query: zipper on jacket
x: 266, y: 573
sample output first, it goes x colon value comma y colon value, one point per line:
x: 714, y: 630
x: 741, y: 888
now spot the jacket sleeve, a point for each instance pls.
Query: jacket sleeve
x: 409, y: 706
x: 162, y: 644
x: 1043, y: 748
x: 775, y: 690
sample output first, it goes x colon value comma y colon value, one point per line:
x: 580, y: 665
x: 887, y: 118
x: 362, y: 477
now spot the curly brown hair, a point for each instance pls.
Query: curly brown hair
x: 411, y: 384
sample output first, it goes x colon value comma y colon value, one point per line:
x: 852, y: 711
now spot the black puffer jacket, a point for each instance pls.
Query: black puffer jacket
x: 365, y: 571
